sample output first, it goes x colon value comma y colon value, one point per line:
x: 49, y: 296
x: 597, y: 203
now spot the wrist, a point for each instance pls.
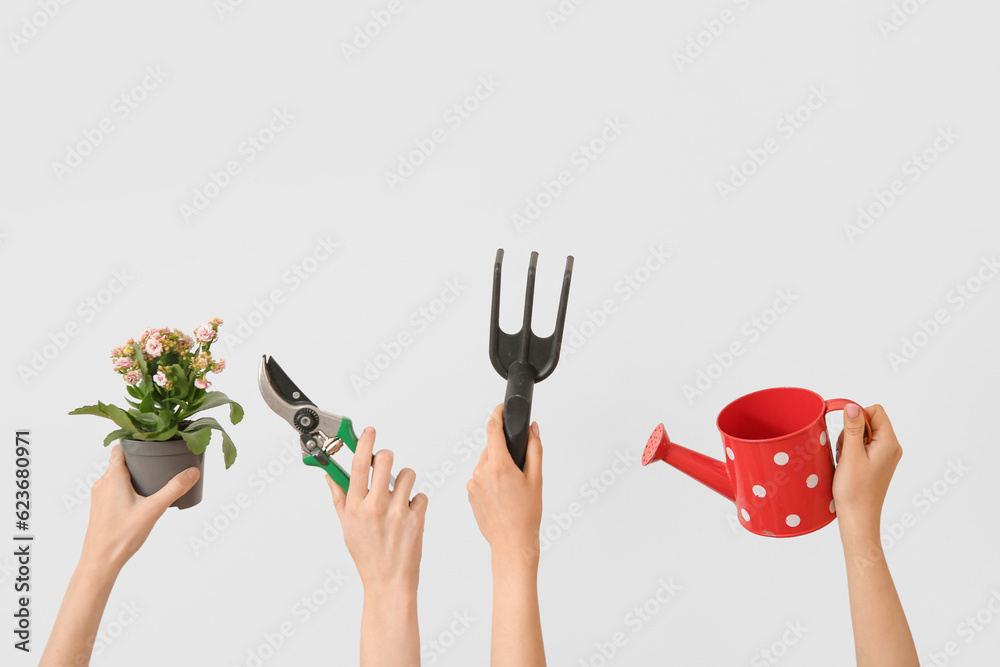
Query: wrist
x: 395, y: 589
x: 98, y: 570
x: 517, y: 563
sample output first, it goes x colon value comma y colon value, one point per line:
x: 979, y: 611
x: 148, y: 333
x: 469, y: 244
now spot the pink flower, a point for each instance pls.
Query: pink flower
x: 202, y: 383
x: 146, y: 333
x: 154, y: 346
x: 117, y: 352
x: 205, y: 333
x: 215, y: 322
x: 160, y: 378
x: 219, y: 366
x: 123, y: 362
x: 133, y: 376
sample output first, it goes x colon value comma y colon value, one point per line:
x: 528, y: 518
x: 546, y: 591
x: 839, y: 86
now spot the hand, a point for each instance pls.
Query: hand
x: 864, y: 471
x: 121, y: 519
x: 507, y: 502
x: 383, y: 529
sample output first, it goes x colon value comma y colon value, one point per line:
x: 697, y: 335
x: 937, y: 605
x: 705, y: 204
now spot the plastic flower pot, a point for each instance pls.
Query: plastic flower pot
x: 153, y: 464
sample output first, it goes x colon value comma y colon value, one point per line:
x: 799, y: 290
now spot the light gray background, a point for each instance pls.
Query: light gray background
x: 654, y: 186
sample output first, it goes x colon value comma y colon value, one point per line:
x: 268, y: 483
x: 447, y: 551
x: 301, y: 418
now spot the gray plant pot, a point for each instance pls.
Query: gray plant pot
x: 153, y: 464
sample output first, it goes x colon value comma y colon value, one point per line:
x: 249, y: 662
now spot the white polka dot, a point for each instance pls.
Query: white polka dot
x: 792, y: 520
x: 746, y: 515
x: 729, y: 453
x: 812, y: 481
x: 781, y: 458
x: 759, y: 491
x: 822, y: 438
x: 833, y: 509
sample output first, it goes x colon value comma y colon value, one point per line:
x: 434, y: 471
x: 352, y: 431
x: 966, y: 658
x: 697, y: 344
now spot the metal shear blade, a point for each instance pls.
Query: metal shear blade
x: 322, y: 434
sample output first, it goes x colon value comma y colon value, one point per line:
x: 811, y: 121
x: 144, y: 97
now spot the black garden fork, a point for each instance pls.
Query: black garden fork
x: 524, y: 358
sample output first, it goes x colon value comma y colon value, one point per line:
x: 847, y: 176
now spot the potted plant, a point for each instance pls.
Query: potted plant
x: 165, y: 376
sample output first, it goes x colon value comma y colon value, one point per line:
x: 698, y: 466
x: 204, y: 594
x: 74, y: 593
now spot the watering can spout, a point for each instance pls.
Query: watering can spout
x: 708, y: 471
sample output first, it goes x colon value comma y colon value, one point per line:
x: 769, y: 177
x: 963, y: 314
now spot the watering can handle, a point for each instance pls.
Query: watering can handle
x: 835, y: 404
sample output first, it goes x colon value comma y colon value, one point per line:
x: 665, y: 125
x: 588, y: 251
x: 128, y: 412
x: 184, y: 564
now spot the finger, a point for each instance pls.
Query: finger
x: 116, y: 462
x: 854, y: 431
x: 484, y: 456
x: 533, y: 457
x: 382, y: 471
x: 361, y: 465
x: 496, y: 442
x: 419, y: 504
x: 339, y: 497
x: 404, y: 486
x: 174, y: 489
x: 880, y: 422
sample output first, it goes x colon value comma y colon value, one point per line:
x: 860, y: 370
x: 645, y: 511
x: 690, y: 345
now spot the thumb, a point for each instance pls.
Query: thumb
x: 854, y: 430
x: 339, y: 497
x: 174, y: 489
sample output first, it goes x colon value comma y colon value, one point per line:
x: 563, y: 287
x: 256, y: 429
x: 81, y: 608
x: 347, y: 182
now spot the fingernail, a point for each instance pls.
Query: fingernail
x: 368, y: 429
x: 534, y: 428
x: 192, y: 473
x: 852, y: 411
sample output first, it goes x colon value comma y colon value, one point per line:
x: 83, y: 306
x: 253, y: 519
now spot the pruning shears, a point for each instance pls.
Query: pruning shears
x: 322, y: 434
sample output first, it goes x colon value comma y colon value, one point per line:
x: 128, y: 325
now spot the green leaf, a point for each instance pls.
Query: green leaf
x: 144, y: 419
x: 197, y: 440
x: 158, y: 436
x: 181, y: 383
x: 228, y: 447
x: 133, y: 391
x: 214, y: 399
x: 139, y: 359
x: 89, y: 410
x: 147, y: 403
x: 114, y: 413
x: 117, y: 435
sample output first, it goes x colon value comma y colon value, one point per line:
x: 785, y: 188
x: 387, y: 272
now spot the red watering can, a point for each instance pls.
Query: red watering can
x: 778, y: 460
